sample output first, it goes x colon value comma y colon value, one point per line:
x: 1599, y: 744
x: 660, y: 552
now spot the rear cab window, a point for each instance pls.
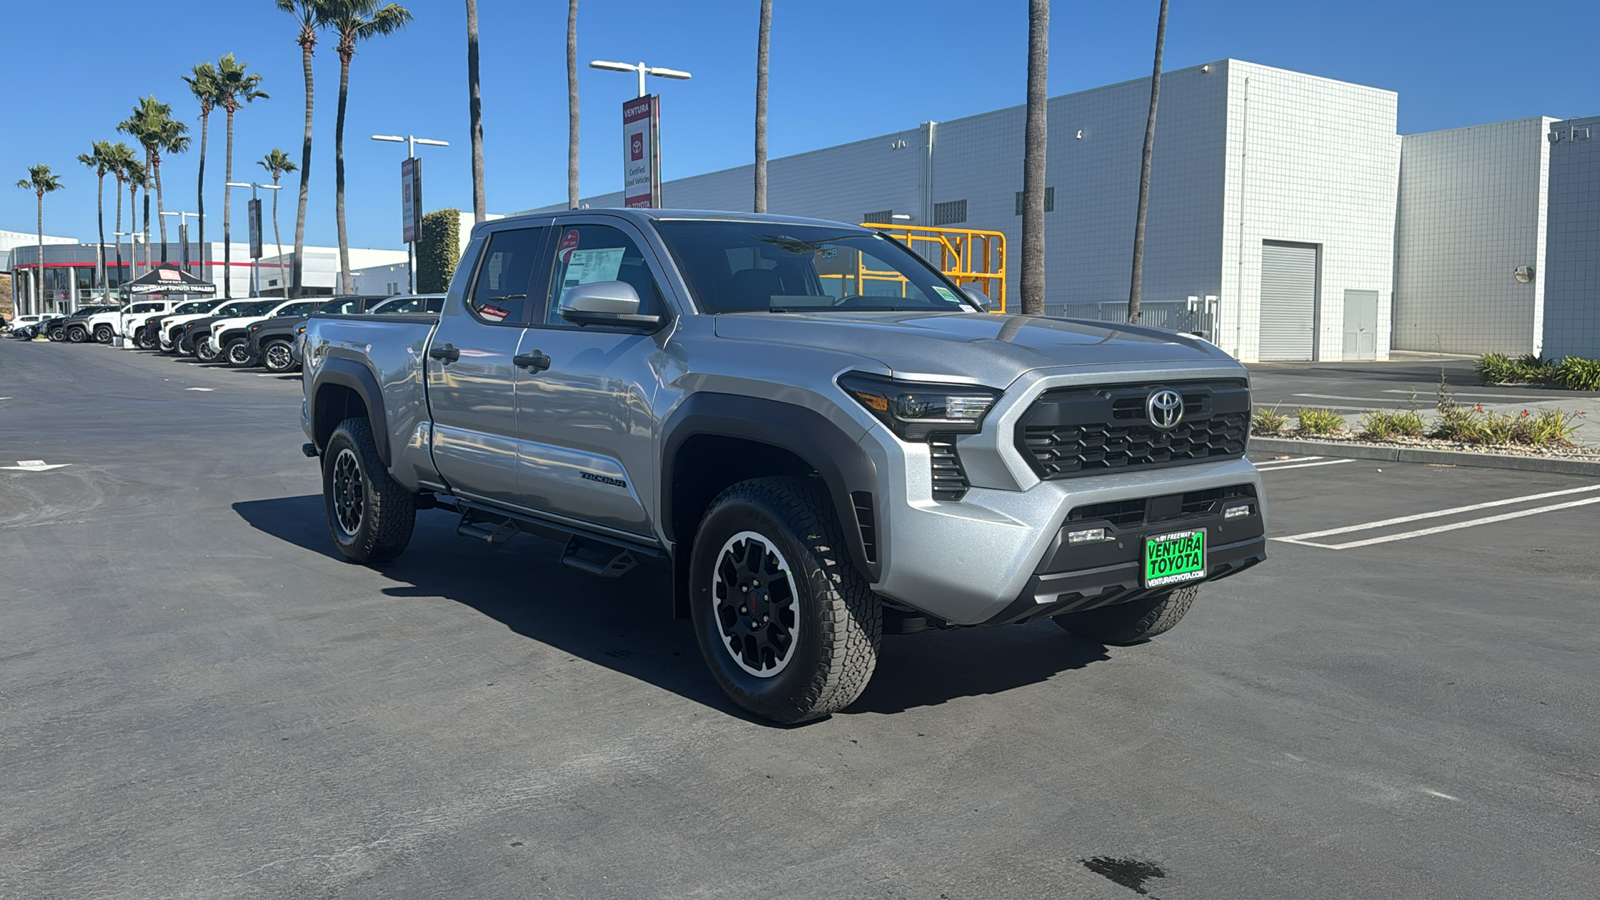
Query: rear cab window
x: 500, y: 291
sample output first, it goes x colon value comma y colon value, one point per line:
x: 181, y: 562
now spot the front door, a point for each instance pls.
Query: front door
x: 1360, y: 324
x: 471, y: 376
x: 587, y: 419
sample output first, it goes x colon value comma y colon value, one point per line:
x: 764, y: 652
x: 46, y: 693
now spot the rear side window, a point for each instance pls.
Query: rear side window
x: 345, y: 307
x: 500, y: 293
x: 590, y: 253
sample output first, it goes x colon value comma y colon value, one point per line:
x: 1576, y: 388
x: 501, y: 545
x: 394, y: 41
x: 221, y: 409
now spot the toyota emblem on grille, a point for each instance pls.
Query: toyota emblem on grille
x: 1165, y: 408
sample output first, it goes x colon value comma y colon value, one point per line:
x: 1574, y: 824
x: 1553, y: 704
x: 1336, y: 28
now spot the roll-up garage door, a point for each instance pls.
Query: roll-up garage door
x: 1288, y: 300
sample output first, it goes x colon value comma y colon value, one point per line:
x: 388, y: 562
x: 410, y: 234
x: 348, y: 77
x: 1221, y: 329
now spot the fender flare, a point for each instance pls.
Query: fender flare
x: 355, y: 376
x: 843, y: 464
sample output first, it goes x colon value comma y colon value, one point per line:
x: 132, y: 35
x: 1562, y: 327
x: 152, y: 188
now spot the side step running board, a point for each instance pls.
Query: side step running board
x: 490, y: 529
x: 597, y: 558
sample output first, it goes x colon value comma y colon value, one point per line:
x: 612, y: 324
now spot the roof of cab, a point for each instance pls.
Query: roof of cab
x: 645, y: 216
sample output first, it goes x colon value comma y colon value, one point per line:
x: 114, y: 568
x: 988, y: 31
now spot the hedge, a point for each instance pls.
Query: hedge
x: 438, y: 250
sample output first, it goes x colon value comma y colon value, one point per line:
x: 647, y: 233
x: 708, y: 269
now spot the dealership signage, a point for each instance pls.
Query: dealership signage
x: 255, y: 228
x: 641, y: 152
x: 411, y: 199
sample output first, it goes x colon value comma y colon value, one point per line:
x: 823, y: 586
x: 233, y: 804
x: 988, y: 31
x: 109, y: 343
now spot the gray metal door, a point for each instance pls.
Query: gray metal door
x: 1288, y: 301
x: 1360, y: 324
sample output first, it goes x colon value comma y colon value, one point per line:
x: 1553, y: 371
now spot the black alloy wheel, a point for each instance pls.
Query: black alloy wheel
x: 144, y: 339
x: 204, y: 349
x: 102, y: 333
x: 370, y: 515
x: 57, y: 334
x: 238, y: 354
x: 77, y: 334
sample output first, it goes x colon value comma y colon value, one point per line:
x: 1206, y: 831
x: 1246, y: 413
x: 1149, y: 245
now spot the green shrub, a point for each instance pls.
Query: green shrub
x: 1318, y: 421
x: 438, y: 250
x: 1382, y: 425
x: 1494, y: 368
x: 1549, y: 428
x: 1268, y: 421
x: 1577, y: 374
x: 1474, y: 425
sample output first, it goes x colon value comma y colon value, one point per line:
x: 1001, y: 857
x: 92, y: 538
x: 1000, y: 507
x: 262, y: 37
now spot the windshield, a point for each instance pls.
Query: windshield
x: 736, y: 267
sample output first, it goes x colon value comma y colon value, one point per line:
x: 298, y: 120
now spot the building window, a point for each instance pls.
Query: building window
x: 950, y: 212
x: 883, y: 217
x: 1049, y: 200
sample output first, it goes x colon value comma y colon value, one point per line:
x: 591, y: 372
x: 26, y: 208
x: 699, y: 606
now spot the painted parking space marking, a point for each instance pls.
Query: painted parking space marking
x: 200, y: 389
x: 1306, y: 539
x: 1308, y: 465
x: 35, y: 465
x: 1287, y: 459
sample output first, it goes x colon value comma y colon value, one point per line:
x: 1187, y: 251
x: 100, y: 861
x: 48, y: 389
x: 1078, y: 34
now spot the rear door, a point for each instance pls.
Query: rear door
x: 471, y: 376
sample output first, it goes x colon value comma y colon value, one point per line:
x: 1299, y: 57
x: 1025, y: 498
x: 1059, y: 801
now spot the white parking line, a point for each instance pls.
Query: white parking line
x: 200, y: 389
x: 1546, y: 397
x: 1454, y: 526
x: 1309, y: 465
x: 1288, y: 459
x: 1306, y: 538
x: 35, y: 465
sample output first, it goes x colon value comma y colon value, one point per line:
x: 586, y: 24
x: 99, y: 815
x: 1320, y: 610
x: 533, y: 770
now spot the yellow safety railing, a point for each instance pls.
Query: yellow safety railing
x: 967, y: 256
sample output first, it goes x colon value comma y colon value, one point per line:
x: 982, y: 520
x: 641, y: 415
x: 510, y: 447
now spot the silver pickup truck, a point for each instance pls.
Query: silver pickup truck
x: 817, y: 433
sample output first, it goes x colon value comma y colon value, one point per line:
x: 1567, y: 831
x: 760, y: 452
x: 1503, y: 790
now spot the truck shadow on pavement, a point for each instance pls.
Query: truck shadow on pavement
x: 625, y: 625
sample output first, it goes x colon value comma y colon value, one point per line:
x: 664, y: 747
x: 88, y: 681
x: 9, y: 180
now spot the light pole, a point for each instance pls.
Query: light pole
x: 133, y: 250
x: 640, y: 68
x: 183, y: 240
x: 411, y: 141
x: 255, y: 234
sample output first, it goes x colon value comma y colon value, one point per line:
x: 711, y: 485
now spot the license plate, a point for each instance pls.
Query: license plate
x: 1174, y: 558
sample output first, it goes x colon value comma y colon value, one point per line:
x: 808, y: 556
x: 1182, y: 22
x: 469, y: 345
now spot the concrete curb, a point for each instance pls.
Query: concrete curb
x: 1546, y: 464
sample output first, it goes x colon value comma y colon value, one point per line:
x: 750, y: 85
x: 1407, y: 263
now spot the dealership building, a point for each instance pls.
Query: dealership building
x: 1289, y: 220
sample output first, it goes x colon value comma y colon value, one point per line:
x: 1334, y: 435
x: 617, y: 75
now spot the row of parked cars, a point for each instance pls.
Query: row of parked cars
x: 245, y: 332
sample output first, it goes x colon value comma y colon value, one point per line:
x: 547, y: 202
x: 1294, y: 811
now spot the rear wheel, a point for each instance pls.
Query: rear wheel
x: 238, y: 354
x: 102, y: 333
x: 370, y: 516
x: 1133, y: 622
x: 787, y: 625
x: 277, y: 357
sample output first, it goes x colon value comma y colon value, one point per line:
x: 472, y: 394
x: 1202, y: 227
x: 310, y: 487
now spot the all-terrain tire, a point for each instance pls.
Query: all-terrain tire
x: 237, y: 353
x: 144, y: 339
x: 276, y: 357
x: 378, y: 514
x: 77, y: 334
x: 102, y: 333
x: 838, y: 620
x: 1134, y: 622
x: 205, y: 351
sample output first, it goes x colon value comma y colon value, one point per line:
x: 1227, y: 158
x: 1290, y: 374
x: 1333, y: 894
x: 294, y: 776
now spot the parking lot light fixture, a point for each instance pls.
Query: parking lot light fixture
x: 411, y: 141
x: 641, y: 69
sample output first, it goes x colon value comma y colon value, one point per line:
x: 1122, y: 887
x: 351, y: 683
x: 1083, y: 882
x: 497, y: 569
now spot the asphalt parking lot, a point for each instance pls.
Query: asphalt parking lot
x: 198, y: 699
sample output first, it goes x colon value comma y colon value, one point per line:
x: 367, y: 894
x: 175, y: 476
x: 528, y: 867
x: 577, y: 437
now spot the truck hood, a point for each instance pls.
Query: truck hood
x: 991, y: 349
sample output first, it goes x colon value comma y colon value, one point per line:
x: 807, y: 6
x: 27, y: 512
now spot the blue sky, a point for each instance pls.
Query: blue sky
x: 841, y: 70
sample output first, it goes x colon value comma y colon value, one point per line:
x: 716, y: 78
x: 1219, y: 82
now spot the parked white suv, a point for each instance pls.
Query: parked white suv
x: 221, y: 325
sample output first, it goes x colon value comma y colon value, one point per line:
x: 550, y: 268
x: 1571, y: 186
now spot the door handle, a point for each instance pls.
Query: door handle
x: 448, y: 353
x: 534, y: 362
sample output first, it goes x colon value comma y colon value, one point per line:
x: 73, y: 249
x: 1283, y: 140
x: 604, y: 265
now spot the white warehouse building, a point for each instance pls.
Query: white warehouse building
x: 1272, y: 202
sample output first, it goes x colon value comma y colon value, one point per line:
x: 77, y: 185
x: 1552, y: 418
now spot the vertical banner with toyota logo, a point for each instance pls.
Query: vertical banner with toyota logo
x: 255, y: 228
x: 411, y: 200
x: 641, y: 152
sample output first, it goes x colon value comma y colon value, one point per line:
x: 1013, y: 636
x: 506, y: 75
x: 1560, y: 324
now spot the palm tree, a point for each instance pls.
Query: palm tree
x: 1144, y: 173
x: 1033, y: 158
x: 234, y: 89
x: 118, y: 156
x: 41, y: 182
x: 153, y: 126
x: 99, y: 161
x: 572, y: 104
x: 203, y: 83
x: 354, y: 21
x: 310, y: 15
x: 138, y: 178
x: 277, y: 163
x: 480, y: 209
x: 763, y: 37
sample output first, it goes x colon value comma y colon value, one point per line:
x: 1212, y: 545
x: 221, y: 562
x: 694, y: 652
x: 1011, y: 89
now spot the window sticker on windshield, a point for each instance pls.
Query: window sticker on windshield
x: 494, y: 312
x: 946, y: 294
x: 588, y: 266
x: 569, y: 243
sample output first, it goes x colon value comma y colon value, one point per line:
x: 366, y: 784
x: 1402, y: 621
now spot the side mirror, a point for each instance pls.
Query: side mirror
x: 978, y: 297
x: 605, y: 303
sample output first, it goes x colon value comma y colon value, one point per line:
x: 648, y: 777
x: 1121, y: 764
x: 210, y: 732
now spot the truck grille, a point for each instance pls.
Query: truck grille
x: 1084, y: 431
x: 949, y: 479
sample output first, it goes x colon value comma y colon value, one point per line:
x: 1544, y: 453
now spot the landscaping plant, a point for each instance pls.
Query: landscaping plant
x: 1268, y: 421
x: 1318, y: 421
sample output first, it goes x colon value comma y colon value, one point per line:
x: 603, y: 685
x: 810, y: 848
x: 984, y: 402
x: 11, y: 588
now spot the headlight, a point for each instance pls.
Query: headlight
x: 914, y: 410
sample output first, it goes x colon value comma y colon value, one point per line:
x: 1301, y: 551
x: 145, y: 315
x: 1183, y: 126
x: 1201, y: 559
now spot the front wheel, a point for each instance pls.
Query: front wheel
x: 144, y: 339
x: 102, y: 333
x: 1133, y: 622
x: 57, y: 335
x: 277, y: 357
x: 786, y: 623
x: 370, y: 516
x: 205, y: 350
x: 77, y: 334
x: 238, y: 354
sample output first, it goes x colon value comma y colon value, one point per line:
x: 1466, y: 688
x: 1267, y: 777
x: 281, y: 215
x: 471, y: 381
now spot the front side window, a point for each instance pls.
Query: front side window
x: 735, y: 267
x: 585, y: 254
x: 510, y: 262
